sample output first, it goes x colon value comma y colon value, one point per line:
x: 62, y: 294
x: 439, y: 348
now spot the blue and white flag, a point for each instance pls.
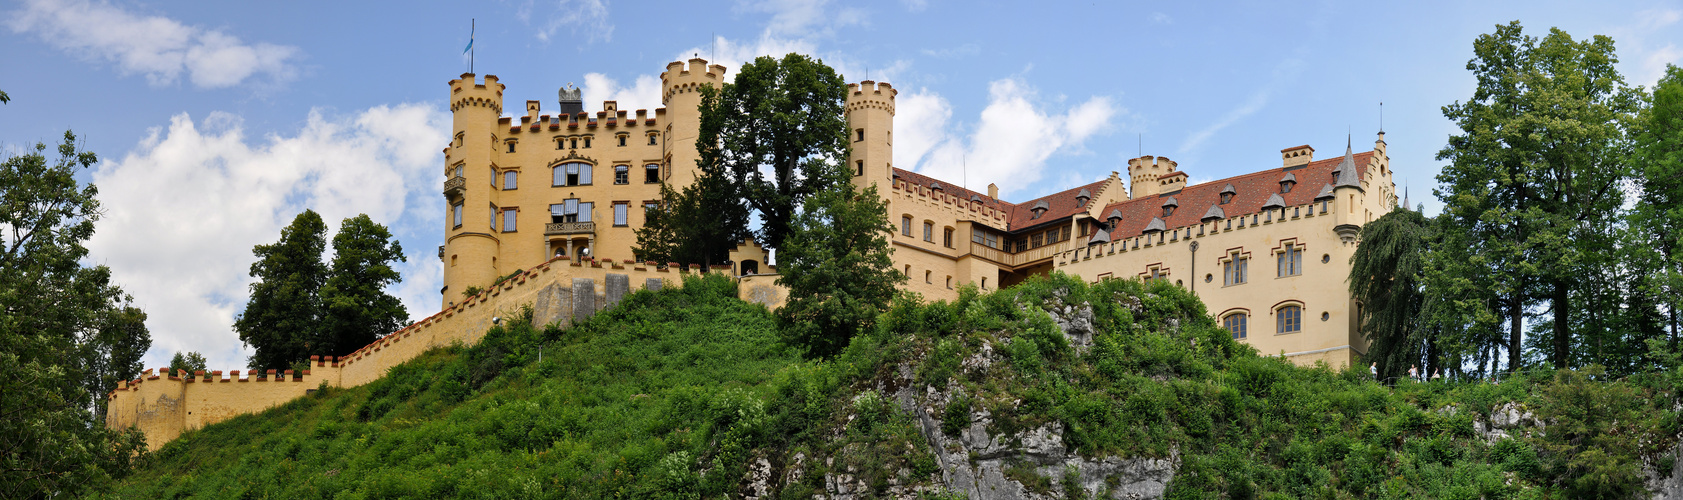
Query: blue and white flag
x: 470, y: 41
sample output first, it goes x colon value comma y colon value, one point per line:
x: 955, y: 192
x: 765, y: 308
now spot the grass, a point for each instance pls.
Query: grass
x: 681, y: 393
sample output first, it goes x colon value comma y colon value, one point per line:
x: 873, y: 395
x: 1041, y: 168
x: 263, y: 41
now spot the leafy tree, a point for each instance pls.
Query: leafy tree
x: 774, y: 133
x: 114, y: 356
x: 356, y: 306
x: 1535, y: 171
x: 190, y: 361
x: 283, y: 318
x: 698, y: 225
x: 1386, y: 275
x: 1658, y: 154
x: 836, y: 265
x: 52, y: 312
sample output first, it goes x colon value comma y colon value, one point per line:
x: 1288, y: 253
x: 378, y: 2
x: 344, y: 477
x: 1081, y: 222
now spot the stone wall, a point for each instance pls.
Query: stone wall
x: 164, y: 405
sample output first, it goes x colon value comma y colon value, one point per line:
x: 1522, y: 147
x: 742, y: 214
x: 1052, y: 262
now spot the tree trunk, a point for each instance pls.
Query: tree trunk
x: 1562, y: 312
x: 1516, y: 319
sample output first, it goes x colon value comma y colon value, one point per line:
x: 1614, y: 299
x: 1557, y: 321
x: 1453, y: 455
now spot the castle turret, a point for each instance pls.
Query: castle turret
x: 680, y: 92
x: 1149, y: 176
x: 470, y: 246
x: 870, y: 122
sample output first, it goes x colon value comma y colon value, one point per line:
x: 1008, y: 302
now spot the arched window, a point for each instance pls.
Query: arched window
x: 1235, y: 324
x: 572, y: 174
x: 1290, y: 260
x: 1289, y: 319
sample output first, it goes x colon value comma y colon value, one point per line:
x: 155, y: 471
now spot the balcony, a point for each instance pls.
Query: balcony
x: 454, y: 187
x: 561, y: 228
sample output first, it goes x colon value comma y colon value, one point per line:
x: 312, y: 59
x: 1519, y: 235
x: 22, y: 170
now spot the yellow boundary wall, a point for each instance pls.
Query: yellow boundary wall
x: 163, y: 405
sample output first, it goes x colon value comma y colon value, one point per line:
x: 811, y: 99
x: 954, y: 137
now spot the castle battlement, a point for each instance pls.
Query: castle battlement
x: 680, y: 79
x: 952, y: 203
x: 870, y: 94
x: 467, y: 93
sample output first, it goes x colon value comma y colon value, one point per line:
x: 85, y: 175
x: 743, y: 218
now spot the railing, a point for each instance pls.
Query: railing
x: 555, y: 228
x: 992, y: 254
x: 1014, y: 259
x: 454, y: 187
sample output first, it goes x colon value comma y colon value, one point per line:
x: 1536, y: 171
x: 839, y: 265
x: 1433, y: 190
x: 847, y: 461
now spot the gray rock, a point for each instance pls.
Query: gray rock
x: 616, y: 287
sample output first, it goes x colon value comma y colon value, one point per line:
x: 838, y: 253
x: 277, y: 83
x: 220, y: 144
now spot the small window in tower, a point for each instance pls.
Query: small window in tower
x: 622, y: 140
x: 456, y: 215
x: 622, y: 174
x: 651, y: 174
x: 858, y: 134
x: 587, y: 143
x: 929, y: 277
x: 859, y: 167
x: 575, y: 142
x: 511, y: 146
x: 652, y: 139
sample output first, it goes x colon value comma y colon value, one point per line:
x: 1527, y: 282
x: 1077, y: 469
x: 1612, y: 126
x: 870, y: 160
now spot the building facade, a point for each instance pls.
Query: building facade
x: 521, y: 191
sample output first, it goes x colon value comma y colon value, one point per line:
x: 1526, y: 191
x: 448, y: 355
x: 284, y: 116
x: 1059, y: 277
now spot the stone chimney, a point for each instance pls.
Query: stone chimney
x: 1296, y: 156
x: 993, y: 191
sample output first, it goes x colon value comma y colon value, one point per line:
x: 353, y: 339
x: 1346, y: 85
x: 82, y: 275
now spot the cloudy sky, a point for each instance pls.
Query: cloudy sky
x: 217, y: 122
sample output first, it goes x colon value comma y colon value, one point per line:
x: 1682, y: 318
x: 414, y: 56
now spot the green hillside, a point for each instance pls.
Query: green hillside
x: 689, y: 393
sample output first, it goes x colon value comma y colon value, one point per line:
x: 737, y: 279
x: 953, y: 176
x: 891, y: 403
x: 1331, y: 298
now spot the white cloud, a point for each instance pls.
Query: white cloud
x: 1646, y: 46
x: 803, y: 17
x: 644, y: 93
x: 587, y: 19
x: 158, y: 47
x: 915, y: 6
x: 1010, y: 145
x: 965, y: 50
x: 185, y: 208
x: 1257, y: 100
x: 1161, y: 18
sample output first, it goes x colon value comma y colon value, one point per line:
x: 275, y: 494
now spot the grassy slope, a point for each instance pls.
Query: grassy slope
x: 676, y: 393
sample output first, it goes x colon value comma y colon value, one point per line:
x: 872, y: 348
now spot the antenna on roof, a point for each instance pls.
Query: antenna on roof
x: 964, y: 167
x: 1381, y: 117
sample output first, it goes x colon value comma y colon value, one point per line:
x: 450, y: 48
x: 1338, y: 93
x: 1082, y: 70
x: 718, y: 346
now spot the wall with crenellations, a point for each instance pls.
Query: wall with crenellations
x: 163, y: 405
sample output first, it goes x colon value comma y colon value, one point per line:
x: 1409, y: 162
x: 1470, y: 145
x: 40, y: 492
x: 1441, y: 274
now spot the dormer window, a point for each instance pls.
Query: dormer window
x: 1039, y: 209
x: 1287, y: 182
x: 1169, y: 206
x: 1115, y: 219
x: 1227, y: 194
x: 1082, y: 197
x: 1168, y: 211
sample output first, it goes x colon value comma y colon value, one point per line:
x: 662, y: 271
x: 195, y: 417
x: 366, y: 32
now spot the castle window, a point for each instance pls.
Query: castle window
x: 648, y: 208
x: 947, y: 237
x: 459, y: 169
x: 494, y: 214
x: 575, y: 142
x: 1233, y: 270
x: 651, y: 174
x: 572, y: 174
x: 1290, y: 261
x: 1289, y: 319
x: 456, y: 215
x: 622, y: 174
x: 908, y: 270
x: 1168, y: 210
x: 949, y: 282
x: 571, y: 210
x: 510, y: 179
x: 621, y: 213
x: 622, y: 140
x: 511, y: 146
x: 1226, y: 197
x: 459, y: 136
x: 987, y: 239
x: 652, y: 139
x: 858, y: 134
x: 906, y: 225
x: 587, y: 143
x: 1235, y: 325
x: 1037, y: 240
x: 928, y: 231
x: 509, y: 225
x: 859, y: 167
x: 929, y: 277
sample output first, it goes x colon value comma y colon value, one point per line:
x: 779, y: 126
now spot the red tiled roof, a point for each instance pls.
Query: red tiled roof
x: 1060, y: 205
x: 1253, y: 190
x: 953, y: 189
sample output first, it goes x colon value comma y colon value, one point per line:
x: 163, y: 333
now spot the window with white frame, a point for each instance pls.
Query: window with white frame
x: 621, y: 212
x: 572, y: 174
x: 509, y: 225
x: 510, y: 179
x: 571, y: 210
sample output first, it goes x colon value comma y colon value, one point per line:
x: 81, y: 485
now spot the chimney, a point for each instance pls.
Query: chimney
x: 531, y: 112
x: 993, y: 191
x: 1297, y: 156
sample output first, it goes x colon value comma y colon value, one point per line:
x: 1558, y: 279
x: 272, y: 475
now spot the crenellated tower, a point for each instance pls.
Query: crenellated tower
x: 680, y: 92
x: 870, y: 134
x: 1149, y: 176
x: 470, y: 244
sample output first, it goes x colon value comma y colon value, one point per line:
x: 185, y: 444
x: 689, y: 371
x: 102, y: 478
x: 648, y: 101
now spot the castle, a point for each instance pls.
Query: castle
x: 1299, y: 219
x: 564, y: 247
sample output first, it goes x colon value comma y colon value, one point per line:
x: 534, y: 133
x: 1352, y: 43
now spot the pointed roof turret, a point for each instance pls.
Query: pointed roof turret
x: 1345, y: 173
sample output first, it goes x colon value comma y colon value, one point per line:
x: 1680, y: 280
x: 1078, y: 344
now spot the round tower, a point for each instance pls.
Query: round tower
x: 680, y: 92
x: 870, y: 122
x: 470, y: 245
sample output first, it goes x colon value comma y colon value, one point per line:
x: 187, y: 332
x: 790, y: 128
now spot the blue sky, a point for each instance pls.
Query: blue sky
x: 217, y: 122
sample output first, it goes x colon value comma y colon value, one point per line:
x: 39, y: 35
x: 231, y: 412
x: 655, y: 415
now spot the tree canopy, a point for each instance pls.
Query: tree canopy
x: 836, y: 263
x: 356, y: 308
x: 66, y: 333
x: 1385, y: 277
x: 284, y: 315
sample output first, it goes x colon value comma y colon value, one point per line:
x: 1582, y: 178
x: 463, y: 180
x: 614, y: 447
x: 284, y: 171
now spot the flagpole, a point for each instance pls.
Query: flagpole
x: 472, y: 27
